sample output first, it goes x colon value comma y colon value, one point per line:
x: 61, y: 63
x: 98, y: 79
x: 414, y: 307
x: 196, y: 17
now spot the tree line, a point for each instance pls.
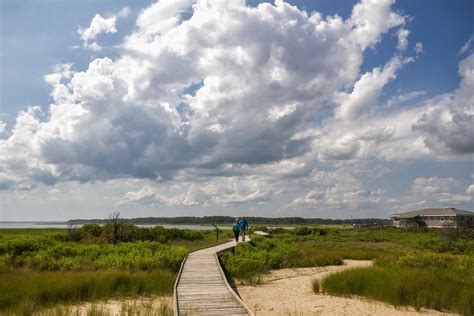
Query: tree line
x: 209, y: 220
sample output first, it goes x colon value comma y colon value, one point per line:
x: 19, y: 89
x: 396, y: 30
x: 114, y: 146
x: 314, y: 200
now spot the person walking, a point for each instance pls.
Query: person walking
x: 236, y: 229
x: 243, y: 227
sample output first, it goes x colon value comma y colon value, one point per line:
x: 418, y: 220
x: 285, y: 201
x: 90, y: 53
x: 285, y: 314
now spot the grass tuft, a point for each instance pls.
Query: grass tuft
x: 316, y: 286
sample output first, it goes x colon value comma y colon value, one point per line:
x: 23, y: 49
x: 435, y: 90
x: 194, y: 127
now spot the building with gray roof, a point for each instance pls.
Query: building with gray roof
x: 434, y: 217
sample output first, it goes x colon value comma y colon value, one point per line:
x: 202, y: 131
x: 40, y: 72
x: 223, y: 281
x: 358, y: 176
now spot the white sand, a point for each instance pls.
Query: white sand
x: 289, y: 292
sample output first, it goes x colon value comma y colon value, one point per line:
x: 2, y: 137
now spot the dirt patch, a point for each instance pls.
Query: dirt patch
x: 289, y: 292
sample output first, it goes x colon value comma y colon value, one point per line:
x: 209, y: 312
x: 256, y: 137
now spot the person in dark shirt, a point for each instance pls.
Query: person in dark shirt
x: 236, y: 229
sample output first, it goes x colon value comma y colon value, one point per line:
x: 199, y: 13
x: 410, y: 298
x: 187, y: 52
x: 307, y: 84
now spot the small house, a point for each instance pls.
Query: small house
x: 434, y: 217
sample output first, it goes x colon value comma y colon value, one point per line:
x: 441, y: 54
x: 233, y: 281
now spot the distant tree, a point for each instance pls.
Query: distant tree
x: 114, y: 224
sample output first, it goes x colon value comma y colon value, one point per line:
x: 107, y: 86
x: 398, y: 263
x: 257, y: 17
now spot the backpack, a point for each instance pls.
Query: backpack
x: 236, y: 227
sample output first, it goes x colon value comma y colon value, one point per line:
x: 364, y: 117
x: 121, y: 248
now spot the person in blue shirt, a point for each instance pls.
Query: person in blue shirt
x: 243, y: 227
x: 236, y: 229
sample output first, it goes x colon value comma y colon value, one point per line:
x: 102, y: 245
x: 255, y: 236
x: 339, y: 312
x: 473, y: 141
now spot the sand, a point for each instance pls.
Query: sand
x: 289, y: 292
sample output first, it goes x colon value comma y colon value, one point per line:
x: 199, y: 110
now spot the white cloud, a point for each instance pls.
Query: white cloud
x: 100, y: 25
x: 218, y: 191
x: 466, y: 45
x: 2, y: 126
x: 367, y: 89
x: 403, y: 39
x: 470, y: 189
x: 338, y: 189
x: 418, y: 48
x: 123, y: 13
x: 427, y: 186
x: 447, y: 127
x: 441, y: 190
x: 338, y: 196
x: 401, y: 98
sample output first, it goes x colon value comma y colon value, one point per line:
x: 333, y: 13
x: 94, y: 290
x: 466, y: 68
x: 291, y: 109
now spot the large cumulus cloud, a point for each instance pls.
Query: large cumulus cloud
x: 230, y: 84
x: 211, y: 89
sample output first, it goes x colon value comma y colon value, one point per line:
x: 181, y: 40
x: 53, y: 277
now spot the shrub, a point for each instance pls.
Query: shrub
x: 93, y: 230
x: 303, y: 231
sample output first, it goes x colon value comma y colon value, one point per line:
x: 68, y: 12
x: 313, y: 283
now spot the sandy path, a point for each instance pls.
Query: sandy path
x: 289, y: 292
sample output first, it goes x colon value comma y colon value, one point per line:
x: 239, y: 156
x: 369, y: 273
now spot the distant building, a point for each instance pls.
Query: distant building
x: 434, y: 217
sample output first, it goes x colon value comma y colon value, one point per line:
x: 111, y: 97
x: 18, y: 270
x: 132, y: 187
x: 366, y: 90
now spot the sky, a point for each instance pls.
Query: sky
x: 324, y: 108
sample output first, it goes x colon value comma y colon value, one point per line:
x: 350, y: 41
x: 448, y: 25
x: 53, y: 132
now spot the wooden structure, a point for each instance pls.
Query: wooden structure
x: 201, y: 287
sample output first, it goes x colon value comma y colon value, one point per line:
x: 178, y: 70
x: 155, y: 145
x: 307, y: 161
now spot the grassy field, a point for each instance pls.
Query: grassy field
x: 40, y: 268
x: 421, y: 268
x: 44, y: 268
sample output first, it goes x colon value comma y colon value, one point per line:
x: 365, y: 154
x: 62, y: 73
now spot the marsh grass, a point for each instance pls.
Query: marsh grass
x: 418, y: 287
x: 261, y: 255
x: 27, y: 291
x: 44, y: 267
x: 148, y: 306
x: 422, y: 268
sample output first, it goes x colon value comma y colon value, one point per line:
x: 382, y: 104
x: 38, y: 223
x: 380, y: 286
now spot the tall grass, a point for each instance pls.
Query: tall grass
x: 418, y: 287
x: 41, y: 268
x: 261, y: 255
x: 422, y: 268
x: 25, y: 291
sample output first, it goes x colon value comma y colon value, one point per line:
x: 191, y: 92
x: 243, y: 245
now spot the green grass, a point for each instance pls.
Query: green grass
x: 261, y: 255
x: 26, y: 291
x: 424, y: 268
x: 40, y: 268
x: 47, y: 253
x: 50, y: 255
x: 433, y: 288
x: 32, y: 231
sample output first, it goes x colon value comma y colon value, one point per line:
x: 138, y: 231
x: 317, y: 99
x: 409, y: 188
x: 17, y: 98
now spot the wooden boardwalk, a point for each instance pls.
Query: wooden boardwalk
x: 202, y: 289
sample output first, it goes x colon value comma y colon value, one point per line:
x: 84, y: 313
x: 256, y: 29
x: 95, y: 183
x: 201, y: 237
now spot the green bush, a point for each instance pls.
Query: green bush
x: 305, y: 231
x: 93, y: 230
x: 50, y: 254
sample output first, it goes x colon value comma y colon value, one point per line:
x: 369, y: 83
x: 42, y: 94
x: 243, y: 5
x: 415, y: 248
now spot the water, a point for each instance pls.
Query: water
x: 64, y: 225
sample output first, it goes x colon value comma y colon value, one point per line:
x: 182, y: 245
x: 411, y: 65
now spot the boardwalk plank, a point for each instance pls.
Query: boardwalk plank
x: 202, y: 289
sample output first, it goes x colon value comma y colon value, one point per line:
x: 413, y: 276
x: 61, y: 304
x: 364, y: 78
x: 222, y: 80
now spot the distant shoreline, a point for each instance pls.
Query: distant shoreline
x: 218, y: 220
x: 200, y: 221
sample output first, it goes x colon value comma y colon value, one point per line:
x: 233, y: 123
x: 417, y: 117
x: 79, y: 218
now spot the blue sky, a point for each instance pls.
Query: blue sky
x: 393, y: 131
